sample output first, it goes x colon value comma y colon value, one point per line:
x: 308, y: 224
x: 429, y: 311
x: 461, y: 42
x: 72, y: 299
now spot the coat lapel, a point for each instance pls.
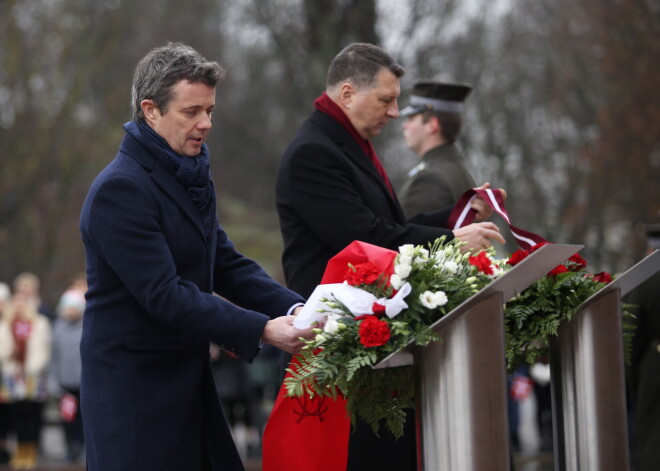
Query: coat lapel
x: 354, y: 152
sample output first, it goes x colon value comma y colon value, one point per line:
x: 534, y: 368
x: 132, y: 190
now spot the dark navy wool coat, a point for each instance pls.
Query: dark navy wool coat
x: 148, y: 397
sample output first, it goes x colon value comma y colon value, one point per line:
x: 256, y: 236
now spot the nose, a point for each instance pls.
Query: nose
x: 393, y: 112
x: 205, y: 122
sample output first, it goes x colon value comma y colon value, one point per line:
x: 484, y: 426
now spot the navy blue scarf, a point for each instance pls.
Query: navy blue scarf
x: 194, y: 173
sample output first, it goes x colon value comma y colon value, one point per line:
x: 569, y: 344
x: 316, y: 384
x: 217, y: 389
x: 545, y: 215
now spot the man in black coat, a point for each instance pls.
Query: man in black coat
x: 155, y: 257
x: 332, y: 190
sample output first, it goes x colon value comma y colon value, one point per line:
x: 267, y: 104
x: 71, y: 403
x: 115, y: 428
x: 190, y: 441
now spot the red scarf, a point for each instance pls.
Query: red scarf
x: 21, y: 331
x: 325, y: 104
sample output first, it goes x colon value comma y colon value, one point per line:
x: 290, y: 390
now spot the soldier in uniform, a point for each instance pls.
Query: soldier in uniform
x: 433, y: 122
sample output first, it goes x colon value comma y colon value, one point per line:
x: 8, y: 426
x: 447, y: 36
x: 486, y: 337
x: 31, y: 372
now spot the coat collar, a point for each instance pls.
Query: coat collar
x: 162, y: 177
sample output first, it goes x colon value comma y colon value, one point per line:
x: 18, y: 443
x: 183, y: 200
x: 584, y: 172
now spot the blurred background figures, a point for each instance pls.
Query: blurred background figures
x: 5, y: 406
x: 25, y: 349
x: 29, y: 284
x: 66, y: 368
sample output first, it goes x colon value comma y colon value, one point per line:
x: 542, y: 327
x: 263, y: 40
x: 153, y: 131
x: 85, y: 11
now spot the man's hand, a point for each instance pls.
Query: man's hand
x: 484, y: 211
x: 281, y: 333
x: 478, y: 236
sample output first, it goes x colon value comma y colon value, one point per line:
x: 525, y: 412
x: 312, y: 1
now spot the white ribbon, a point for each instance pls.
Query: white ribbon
x: 356, y: 300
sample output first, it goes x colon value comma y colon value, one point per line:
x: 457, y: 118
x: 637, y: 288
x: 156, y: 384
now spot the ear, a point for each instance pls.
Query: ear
x: 434, y: 124
x: 345, y: 96
x: 149, y: 109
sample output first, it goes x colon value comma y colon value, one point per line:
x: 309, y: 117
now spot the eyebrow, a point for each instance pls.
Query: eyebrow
x: 196, y: 107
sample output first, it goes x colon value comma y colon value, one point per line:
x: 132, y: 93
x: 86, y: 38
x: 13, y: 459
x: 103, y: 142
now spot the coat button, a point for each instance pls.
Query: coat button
x: 657, y: 348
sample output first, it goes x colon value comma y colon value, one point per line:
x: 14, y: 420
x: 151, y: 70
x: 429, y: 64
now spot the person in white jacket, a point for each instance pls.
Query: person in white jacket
x: 25, y: 349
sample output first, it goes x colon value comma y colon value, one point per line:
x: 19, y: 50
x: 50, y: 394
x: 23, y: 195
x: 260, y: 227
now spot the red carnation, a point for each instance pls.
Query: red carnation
x: 374, y: 332
x: 482, y: 262
x: 578, y: 261
x: 557, y: 270
x: 378, y: 309
x: 517, y: 257
x: 602, y: 277
x: 362, y: 274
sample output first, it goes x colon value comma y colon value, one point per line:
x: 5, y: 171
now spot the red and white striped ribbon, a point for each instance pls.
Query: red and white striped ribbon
x: 463, y: 214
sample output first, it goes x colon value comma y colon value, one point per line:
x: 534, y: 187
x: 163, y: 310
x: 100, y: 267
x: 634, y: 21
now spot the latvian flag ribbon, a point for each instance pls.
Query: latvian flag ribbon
x: 463, y: 214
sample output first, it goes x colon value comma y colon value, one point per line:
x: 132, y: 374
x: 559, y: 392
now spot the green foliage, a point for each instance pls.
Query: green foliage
x: 535, y: 315
x: 336, y: 362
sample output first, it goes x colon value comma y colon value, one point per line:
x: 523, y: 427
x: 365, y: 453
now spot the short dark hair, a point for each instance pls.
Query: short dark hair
x: 450, y: 124
x: 359, y: 63
x: 162, y: 68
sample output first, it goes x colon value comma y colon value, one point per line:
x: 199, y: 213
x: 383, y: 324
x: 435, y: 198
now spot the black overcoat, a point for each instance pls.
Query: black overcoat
x: 329, y: 194
x: 148, y: 396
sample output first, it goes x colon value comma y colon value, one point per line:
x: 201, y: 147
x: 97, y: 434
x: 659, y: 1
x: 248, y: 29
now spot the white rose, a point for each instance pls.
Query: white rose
x: 404, y: 260
x: 403, y: 270
x: 396, y: 281
x: 407, y: 250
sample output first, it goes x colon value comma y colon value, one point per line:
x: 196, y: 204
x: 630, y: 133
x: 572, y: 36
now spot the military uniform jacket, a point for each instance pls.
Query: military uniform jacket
x: 438, y: 181
x: 149, y: 402
x: 329, y: 194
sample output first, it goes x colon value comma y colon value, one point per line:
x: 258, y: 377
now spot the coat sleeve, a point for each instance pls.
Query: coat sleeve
x: 244, y: 282
x: 323, y: 192
x: 122, y: 227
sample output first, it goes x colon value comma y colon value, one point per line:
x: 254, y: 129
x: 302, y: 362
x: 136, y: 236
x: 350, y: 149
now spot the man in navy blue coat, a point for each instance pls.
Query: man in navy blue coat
x: 155, y: 257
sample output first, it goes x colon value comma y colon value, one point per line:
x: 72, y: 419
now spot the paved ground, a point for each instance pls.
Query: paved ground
x: 528, y: 459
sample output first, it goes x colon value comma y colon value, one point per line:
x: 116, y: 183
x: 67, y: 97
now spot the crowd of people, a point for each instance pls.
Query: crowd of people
x: 39, y: 362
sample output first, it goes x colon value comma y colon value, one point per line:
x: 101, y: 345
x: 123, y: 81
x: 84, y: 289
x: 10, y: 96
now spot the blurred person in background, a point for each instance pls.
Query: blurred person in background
x: 30, y: 285
x: 25, y: 349
x: 432, y: 124
x: 66, y: 367
x: 5, y: 406
x: 644, y: 370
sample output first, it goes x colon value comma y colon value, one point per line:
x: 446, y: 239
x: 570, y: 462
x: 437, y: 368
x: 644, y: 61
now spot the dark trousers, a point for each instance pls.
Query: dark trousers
x: 27, y: 420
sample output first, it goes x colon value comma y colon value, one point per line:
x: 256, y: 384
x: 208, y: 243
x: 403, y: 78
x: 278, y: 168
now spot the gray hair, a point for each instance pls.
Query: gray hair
x: 359, y: 63
x: 165, y: 66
